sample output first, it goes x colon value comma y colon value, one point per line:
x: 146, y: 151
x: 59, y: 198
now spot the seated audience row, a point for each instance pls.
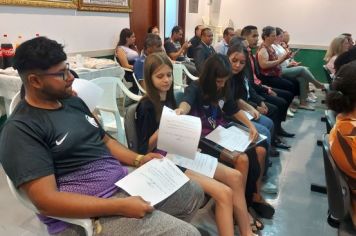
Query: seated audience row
x: 67, y: 165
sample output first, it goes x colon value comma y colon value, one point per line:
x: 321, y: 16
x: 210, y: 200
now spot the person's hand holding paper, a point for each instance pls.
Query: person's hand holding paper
x: 176, y: 131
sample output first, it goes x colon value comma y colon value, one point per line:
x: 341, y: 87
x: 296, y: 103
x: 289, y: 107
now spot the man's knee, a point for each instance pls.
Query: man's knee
x: 194, y: 194
x: 186, y: 230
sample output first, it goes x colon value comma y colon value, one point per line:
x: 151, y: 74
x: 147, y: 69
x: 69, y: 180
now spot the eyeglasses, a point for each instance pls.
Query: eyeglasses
x: 64, y: 74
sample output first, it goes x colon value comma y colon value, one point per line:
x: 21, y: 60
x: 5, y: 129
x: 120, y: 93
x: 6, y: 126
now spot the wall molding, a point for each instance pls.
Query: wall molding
x: 306, y: 46
x: 95, y: 53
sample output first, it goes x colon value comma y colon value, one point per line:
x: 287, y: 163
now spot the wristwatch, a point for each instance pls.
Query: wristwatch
x: 138, y: 160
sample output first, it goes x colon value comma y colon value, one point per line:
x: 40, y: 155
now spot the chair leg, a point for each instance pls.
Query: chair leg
x: 319, y: 142
x: 318, y: 188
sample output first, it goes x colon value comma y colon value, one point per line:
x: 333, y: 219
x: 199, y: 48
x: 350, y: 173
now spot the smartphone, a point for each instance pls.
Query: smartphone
x: 296, y: 51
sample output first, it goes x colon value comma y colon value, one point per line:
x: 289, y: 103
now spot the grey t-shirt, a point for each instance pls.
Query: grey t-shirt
x: 37, y: 142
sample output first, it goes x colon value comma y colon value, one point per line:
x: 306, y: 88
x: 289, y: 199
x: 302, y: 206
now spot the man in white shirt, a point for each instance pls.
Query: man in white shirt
x: 223, y: 45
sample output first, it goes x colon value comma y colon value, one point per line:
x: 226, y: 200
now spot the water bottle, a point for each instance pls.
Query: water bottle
x: 7, y: 52
x: 1, y: 60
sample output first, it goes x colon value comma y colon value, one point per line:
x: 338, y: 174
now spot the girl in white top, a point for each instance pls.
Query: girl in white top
x: 126, y: 50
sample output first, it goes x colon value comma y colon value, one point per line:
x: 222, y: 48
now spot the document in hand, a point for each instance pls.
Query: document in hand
x: 179, y: 134
x: 203, y: 164
x: 232, y: 138
x: 154, y: 181
x: 248, y: 115
x: 89, y: 92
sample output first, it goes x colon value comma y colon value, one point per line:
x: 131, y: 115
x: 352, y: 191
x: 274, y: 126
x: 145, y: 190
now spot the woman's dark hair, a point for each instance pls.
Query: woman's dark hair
x: 279, y: 31
x: 239, y: 78
x: 236, y: 40
x: 267, y: 31
x: 345, y: 58
x: 216, y: 66
x: 150, y: 29
x: 342, y: 98
x: 124, y: 34
x: 152, y: 63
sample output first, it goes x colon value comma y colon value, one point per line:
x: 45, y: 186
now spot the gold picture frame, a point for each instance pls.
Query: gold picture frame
x: 70, y: 4
x: 105, y: 5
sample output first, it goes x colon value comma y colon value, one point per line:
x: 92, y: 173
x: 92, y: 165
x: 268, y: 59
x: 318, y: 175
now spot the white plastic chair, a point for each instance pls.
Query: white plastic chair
x: 179, y: 70
x: 15, y: 100
x: 107, y: 106
x: 135, y: 80
x: 23, y: 199
x: 133, y: 75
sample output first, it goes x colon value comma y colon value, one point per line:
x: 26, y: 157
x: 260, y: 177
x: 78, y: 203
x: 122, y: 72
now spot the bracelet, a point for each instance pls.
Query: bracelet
x: 137, y: 161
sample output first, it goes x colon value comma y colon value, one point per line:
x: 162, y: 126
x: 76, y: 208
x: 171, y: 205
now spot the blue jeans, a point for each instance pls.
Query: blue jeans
x: 264, y: 125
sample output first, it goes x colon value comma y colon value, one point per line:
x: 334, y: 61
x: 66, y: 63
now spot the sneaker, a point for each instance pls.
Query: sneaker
x: 309, y: 99
x: 307, y: 107
x: 269, y: 188
x: 312, y: 96
x: 290, y: 113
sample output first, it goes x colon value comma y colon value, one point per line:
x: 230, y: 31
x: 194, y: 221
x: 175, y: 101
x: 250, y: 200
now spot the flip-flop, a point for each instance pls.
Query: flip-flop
x: 256, y: 222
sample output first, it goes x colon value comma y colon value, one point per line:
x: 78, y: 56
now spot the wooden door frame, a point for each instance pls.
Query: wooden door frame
x: 182, y: 16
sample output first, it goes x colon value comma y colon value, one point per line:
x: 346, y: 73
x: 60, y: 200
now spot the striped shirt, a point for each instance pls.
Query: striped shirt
x: 342, y: 140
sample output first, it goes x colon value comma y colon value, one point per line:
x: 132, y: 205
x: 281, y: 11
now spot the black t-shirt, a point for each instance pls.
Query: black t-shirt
x: 146, y: 124
x: 170, y: 47
x: 210, y: 114
x: 193, y: 95
x: 37, y: 142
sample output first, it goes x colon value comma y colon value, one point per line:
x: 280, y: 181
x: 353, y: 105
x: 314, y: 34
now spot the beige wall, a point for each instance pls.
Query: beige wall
x: 310, y: 22
x: 79, y: 31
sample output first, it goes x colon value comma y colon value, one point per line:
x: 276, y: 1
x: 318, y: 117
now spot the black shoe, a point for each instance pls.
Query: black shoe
x: 263, y: 209
x: 273, y: 152
x: 284, y: 133
x: 278, y: 143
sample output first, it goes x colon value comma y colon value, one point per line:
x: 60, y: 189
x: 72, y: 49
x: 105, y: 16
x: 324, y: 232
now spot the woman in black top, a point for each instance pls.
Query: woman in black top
x: 211, y: 99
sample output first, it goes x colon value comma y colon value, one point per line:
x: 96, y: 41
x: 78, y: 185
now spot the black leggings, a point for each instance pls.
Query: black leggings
x: 254, y: 169
x: 290, y: 85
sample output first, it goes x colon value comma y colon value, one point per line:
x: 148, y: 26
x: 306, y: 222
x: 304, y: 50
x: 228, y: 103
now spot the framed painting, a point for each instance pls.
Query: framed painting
x: 105, y: 5
x: 42, y: 3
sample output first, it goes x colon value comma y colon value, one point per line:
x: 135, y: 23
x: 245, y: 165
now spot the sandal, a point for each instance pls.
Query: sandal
x: 256, y: 223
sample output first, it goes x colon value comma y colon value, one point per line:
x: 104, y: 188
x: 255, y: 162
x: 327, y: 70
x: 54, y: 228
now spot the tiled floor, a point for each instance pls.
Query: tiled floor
x: 299, y: 212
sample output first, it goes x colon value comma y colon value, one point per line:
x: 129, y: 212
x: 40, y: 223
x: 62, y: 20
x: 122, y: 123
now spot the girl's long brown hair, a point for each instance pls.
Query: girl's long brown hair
x: 152, y: 63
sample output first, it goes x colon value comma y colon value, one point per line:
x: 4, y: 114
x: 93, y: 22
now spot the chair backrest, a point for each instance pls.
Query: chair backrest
x: 330, y: 116
x: 337, y: 187
x: 178, y: 76
x: 130, y: 127
x: 179, y: 71
x: 108, y: 106
x: 15, y: 100
x: 109, y: 85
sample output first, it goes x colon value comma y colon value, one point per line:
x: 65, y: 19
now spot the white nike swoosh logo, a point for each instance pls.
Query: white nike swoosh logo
x: 59, y: 142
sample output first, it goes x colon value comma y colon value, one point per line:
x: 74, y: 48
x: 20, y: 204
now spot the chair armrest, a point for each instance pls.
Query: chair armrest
x: 186, y: 71
x: 127, y: 69
x: 127, y: 92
